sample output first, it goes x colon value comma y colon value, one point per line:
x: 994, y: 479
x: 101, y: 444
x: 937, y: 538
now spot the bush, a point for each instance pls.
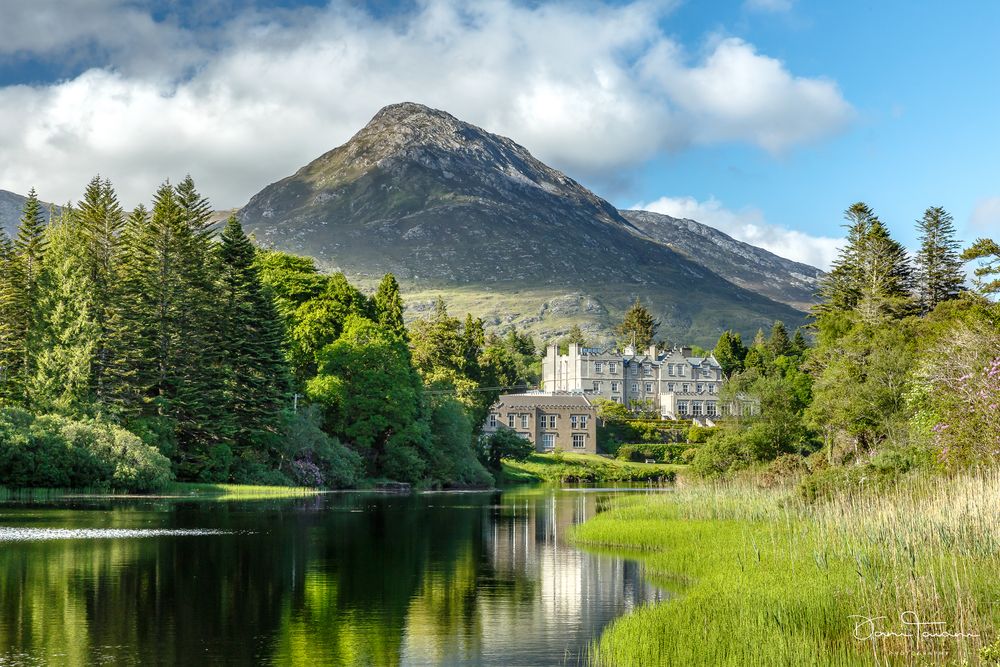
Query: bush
x: 882, y: 471
x: 54, y: 451
x: 724, y: 452
x: 305, y: 441
x: 659, y: 452
x: 504, y: 444
x: 700, y: 434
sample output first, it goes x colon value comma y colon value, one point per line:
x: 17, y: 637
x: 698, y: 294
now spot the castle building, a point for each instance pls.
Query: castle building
x: 551, y: 421
x: 675, y: 383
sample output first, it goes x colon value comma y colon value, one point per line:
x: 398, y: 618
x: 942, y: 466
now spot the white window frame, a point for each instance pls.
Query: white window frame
x: 647, y: 370
x: 572, y: 421
x: 635, y: 387
x: 649, y: 387
x: 510, y: 420
x: 493, y: 420
x: 579, y: 441
x: 583, y: 421
x: 552, y: 421
x: 597, y: 386
x: 612, y: 367
x: 696, y: 408
x: 615, y: 387
x: 598, y: 366
x: 525, y: 419
x: 548, y: 441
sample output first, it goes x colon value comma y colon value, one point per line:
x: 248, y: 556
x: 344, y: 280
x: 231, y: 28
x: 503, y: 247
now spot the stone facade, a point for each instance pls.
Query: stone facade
x: 675, y: 383
x: 549, y: 420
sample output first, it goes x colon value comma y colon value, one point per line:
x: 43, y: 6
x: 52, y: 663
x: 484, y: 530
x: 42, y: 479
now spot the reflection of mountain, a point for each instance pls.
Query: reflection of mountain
x: 473, y: 579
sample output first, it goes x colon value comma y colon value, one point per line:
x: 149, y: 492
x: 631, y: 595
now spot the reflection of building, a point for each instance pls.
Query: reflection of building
x: 675, y: 383
x: 573, y: 594
x: 550, y: 421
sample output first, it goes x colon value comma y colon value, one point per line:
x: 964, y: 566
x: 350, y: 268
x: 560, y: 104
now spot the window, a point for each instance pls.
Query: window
x: 635, y: 371
x: 598, y: 367
x: 711, y: 388
x: 616, y: 399
x: 612, y: 367
x: 493, y: 420
x: 680, y: 370
x: 647, y: 370
x: 526, y: 436
x: 682, y: 407
x: 572, y: 421
x: 670, y: 369
x: 578, y: 441
x: 710, y: 409
x: 597, y: 385
x: 696, y: 408
x: 685, y: 387
x: 635, y: 387
x: 701, y: 387
x: 615, y: 386
x: 548, y: 441
x: 510, y: 420
x: 670, y: 386
x: 649, y: 387
x: 552, y: 421
x: 583, y: 421
x: 524, y: 421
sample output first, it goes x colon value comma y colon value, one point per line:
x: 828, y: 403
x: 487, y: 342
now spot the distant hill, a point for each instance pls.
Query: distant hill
x: 454, y: 210
x: 11, y: 205
x: 746, y: 265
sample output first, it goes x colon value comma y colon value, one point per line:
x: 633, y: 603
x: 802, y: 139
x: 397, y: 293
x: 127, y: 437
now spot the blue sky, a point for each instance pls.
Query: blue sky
x: 765, y: 118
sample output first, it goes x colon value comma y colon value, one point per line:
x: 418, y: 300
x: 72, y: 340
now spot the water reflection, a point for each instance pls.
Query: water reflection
x: 353, y: 579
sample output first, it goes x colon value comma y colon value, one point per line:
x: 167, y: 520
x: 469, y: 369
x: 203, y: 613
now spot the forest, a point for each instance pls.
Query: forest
x: 900, y: 372
x: 157, y: 344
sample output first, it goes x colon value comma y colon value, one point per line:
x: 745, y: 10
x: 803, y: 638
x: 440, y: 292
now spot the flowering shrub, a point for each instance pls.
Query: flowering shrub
x: 307, y: 473
x: 972, y: 432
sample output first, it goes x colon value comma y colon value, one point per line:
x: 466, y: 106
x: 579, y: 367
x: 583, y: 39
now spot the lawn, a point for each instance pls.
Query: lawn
x: 570, y: 467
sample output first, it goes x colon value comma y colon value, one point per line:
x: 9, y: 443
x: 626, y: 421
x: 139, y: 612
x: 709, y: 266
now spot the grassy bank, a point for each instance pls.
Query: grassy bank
x: 568, y: 467
x: 761, y: 579
x: 236, y: 491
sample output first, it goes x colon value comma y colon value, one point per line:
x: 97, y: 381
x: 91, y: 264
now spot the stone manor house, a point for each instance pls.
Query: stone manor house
x: 674, y: 383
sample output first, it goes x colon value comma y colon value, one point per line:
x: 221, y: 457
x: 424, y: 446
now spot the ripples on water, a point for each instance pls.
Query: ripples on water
x: 348, y: 579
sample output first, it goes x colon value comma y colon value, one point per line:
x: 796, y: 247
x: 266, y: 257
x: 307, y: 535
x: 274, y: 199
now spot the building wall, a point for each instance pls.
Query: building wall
x: 548, y: 422
x: 674, y: 382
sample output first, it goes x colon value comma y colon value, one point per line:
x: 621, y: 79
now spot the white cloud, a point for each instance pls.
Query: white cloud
x: 769, y: 5
x: 592, y: 89
x: 749, y: 225
x: 986, y: 215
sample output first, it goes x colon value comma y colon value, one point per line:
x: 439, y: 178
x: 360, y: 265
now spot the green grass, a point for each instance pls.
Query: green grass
x: 569, y: 467
x: 761, y: 579
x: 236, y: 491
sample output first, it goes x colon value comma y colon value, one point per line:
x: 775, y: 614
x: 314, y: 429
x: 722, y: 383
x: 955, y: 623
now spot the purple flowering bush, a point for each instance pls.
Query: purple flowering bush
x: 971, y: 432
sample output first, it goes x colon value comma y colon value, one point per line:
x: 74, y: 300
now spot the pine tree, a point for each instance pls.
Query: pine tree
x: 101, y: 220
x: 29, y: 254
x: 730, y: 352
x: 638, y: 327
x: 9, y: 354
x: 886, y: 276
x: 939, y: 268
x: 758, y: 356
x: 252, y: 335
x: 779, y: 343
x: 799, y: 343
x: 987, y: 251
x: 574, y: 335
x: 840, y: 289
x: 389, y: 306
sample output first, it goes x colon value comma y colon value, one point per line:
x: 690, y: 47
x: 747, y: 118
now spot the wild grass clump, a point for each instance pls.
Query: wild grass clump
x: 769, y: 579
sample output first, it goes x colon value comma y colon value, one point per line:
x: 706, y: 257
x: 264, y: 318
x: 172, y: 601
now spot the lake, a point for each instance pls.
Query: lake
x: 335, y: 579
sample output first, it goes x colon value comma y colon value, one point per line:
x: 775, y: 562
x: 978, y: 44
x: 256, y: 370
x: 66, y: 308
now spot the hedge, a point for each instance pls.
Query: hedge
x: 670, y: 452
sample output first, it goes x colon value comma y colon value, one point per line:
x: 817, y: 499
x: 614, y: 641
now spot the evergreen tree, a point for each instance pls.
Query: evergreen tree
x: 389, y: 306
x: 251, y: 330
x: 939, y: 268
x: 886, y: 276
x: 101, y: 220
x: 730, y: 352
x: 29, y: 254
x: 779, y: 344
x: 574, y: 335
x: 758, y: 356
x: 987, y: 251
x: 840, y: 289
x: 799, y: 343
x: 9, y: 337
x: 638, y: 327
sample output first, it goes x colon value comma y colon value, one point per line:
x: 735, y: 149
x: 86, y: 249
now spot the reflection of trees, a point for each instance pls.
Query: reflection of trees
x: 344, y: 580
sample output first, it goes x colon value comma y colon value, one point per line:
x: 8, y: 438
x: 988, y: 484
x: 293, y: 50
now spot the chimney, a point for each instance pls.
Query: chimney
x: 686, y: 351
x: 652, y: 351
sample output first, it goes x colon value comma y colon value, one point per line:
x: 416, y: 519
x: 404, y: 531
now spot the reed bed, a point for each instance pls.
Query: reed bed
x: 764, y: 579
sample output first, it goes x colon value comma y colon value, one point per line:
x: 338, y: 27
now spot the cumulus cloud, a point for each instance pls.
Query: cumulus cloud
x: 986, y: 215
x: 749, y: 225
x: 591, y: 89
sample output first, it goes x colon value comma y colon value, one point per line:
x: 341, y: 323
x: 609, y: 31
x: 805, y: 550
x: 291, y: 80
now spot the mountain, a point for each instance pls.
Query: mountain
x: 454, y: 210
x: 741, y: 263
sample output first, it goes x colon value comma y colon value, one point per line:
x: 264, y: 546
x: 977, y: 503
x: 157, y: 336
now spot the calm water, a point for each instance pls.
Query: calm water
x: 340, y: 579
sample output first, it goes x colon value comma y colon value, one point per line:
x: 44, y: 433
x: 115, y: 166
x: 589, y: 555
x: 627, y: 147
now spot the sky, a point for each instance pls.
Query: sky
x: 763, y: 118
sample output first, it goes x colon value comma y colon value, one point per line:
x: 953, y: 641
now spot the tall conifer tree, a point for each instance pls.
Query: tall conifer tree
x: 939, y: 268
x: 389, y: 306
x: 29, y: 253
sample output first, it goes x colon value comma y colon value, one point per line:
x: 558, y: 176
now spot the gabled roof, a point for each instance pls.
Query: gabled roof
x: 543, y: 401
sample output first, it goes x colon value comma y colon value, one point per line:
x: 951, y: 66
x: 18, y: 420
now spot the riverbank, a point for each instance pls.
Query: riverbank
x: 171, y: 490
x: 760, y: 578
x: 589, y: 468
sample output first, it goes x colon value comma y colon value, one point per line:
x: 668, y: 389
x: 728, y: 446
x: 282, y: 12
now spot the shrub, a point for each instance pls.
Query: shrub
x: 504, y: 444
x: 700, y: 434
x: 304, y: 440
x: 659, y: 452
x: 55, y: 451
